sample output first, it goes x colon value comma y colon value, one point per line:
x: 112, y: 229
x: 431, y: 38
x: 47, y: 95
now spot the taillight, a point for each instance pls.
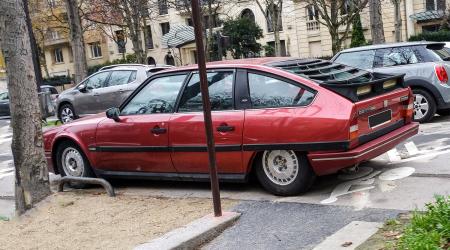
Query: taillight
x: 408, y: 108
x: 441, y: 73
x: 353, y: 132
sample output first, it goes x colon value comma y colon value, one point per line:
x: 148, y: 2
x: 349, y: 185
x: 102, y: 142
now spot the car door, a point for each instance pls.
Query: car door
x: 187, y: 130
x: 4, y: 104
x: 86, y: 99
x: 139, y: 141
x: 117, y: 88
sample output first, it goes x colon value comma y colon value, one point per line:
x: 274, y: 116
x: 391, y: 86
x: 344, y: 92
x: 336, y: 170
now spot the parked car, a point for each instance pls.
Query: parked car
x: 425, y: 65
x: 4, y: 98
x: 286, y: 119
x: 4, y: 104
x: 102, y: 90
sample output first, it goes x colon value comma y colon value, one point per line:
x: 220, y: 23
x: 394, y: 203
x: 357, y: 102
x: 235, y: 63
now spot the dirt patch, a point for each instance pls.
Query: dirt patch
x: 94, y: 221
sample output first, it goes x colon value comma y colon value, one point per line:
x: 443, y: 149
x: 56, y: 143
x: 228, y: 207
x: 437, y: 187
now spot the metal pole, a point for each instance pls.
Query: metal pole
x: 196, y: 17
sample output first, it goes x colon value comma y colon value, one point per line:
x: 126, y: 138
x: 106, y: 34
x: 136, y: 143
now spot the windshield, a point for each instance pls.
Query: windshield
x: 439, y: 52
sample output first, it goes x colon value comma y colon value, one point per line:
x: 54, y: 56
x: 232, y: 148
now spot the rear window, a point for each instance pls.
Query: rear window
x: 358, y: 59
x: 439, y: 52
x: 397, y: 56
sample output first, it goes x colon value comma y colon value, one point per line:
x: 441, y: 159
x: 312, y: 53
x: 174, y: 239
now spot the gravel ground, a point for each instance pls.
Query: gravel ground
x: 88, y: 220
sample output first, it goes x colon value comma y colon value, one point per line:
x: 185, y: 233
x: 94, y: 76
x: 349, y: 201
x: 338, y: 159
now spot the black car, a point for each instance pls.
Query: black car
x: 4, y: 104
x: 4, y: 99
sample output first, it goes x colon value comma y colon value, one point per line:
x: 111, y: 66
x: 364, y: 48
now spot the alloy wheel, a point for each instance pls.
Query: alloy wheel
x: 67, y: 115
x: 281, y: 166
x: 421, y: 106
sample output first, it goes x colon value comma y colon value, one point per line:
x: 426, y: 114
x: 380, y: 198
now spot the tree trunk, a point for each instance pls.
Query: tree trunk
x: 34, y: 47
x: 376, y: 22
x: 76, y: 40
x: 335, y: 41
x: 398, y: 21
x: 32, y: 182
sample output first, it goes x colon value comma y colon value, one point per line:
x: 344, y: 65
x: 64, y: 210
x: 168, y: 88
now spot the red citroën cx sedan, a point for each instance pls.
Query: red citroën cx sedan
x: 286, y: 120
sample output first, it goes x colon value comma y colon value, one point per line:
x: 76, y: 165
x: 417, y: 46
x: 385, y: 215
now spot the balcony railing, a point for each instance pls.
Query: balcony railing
x: 312, y: 25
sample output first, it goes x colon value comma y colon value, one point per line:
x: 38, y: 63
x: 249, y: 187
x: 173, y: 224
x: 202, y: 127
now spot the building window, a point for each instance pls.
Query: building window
x: 58, y: 55
x: 96, y: 50
x: 148, y: 37
x: 282, y: 45
x: 247, y: 13
x: 435, y: 5
x: 312, y: 13
x: 162, y: 7
x: 52, y: 3
x: 120, y: 40
x: 54, y: 34
x: 165, y: 28
x: 169, y: 59
x: 269, y: 19
x: 215, y: 21
x: 189, y: 22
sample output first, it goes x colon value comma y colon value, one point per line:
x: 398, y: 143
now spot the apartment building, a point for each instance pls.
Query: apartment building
x: 170, y: 38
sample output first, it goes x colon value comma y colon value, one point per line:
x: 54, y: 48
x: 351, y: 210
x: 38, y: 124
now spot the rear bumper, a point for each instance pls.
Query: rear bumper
x: 328, y: 163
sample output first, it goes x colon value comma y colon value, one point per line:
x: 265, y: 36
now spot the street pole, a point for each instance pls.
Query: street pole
x: 196, y: 17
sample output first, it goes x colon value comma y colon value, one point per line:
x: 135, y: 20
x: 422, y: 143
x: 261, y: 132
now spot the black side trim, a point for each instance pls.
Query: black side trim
x: 130, y: 149
x: 366, y: 138
x: 307, y: 146
x: 169, y: 176
x: 219, y: 148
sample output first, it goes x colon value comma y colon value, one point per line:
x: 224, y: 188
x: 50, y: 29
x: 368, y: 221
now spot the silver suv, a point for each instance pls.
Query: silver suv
x: 425, y: 65
x: 102, y: 90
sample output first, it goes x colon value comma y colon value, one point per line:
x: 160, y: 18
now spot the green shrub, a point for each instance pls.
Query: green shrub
x: 429, y: 230
x: 130, y: 58
x: 57, y: 80
x: 438, y: 36
x: 358, y: 38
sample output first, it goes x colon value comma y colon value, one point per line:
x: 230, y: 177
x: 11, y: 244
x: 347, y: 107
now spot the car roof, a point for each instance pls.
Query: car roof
x: 133, y: 66
x: 389, y: 45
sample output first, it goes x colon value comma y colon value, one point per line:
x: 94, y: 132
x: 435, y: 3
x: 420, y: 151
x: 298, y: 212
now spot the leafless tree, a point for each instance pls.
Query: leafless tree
x: 272, y: 10
x: 32, y: 182
x: 398, y: 20
x: 337, y: 16
x: 376, y: 22
x: 77, y: 40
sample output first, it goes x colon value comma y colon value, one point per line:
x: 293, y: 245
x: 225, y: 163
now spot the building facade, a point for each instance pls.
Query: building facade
x: 170, y: 38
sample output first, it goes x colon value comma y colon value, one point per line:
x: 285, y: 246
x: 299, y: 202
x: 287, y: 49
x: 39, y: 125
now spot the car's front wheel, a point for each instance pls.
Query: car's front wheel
x: 66, y: 113
x: 72, y: 162
x: 424, y: 106
x: 284, y: 172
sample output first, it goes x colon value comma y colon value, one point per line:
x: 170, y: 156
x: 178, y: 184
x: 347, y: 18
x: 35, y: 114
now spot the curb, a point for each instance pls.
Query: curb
x: 193, y: 234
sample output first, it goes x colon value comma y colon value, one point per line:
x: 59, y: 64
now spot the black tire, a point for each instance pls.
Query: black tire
x: 63, y: 108
x: 299, y: 184
x: 431, y: 104
x: 86, y: 171
x: 443, y: 112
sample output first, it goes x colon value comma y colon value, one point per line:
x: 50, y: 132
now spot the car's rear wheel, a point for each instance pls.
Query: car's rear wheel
x: 284, y: 172
x: 66, y: 113
x: 72, y: 162
x: 424, y: 106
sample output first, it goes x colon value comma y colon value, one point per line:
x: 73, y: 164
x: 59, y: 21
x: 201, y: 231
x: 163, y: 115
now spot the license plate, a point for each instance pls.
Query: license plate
x: 380, y: 118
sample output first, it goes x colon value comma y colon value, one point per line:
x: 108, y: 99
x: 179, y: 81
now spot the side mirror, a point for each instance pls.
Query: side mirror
x: 113, y: 113
x: 82, y: 87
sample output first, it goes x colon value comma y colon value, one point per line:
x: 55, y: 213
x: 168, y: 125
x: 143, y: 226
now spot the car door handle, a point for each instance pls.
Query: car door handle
x: 121, y: 90
x: 96, y: 94
x: 157, y: 130
x: 225, y: 128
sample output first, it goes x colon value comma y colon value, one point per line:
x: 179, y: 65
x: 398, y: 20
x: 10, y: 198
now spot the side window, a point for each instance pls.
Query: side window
x: 4, y: 96
x: 220, y: 92
x: 396, y: 56
x: 96, y: 81
x: 268, y: 92
x: 119, y: 77
x: 357, y: 59
x: 158, y: 96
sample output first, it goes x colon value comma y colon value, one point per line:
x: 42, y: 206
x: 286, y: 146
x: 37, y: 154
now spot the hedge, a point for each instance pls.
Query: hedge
x: 437, y: 36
